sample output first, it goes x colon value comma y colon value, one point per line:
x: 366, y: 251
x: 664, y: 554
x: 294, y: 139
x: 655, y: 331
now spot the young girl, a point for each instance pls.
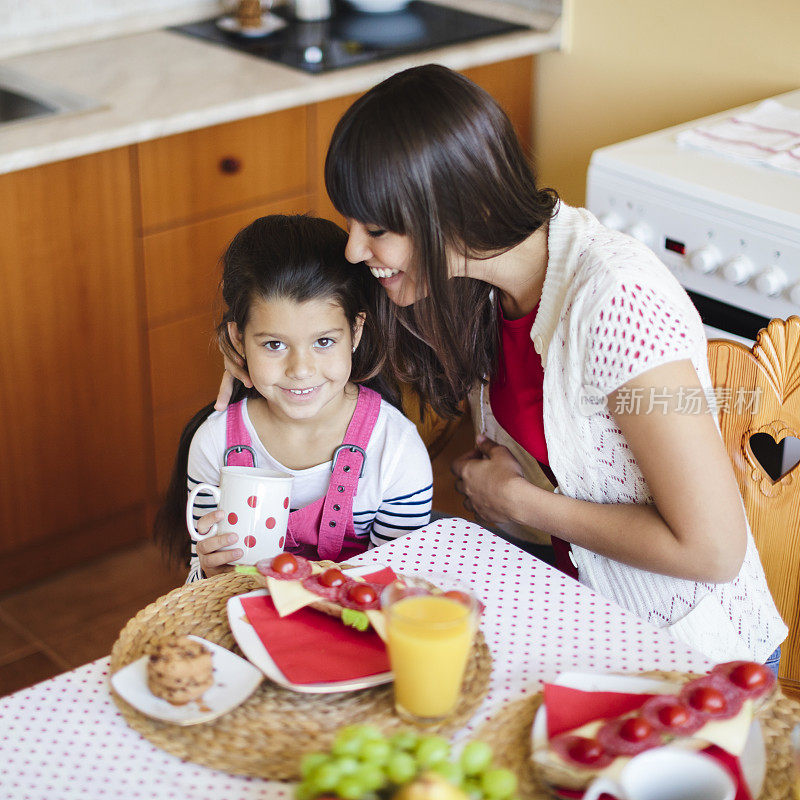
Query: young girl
x: 301, y: 319
x: 580, y: 344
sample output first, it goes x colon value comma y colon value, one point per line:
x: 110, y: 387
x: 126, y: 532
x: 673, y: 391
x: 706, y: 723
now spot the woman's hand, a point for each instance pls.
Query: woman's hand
x: 213, y: 559
x: 485, y: 476
x: 233, y: 370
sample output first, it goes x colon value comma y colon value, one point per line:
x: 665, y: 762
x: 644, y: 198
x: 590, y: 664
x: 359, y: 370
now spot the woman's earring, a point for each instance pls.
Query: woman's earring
x: 354, y: 347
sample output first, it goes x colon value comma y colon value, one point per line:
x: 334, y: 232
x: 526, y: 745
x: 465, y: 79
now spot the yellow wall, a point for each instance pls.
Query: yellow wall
x: 637, y: 66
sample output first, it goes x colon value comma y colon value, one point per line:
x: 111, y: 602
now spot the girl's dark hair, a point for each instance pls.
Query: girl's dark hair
x: 429, y: 154
x: 298, y: 258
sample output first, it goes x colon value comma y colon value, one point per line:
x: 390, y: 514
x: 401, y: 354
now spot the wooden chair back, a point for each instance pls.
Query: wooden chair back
x: 758, y: 391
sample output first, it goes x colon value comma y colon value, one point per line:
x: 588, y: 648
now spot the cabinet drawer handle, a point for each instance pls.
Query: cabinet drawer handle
x: 230, y: 165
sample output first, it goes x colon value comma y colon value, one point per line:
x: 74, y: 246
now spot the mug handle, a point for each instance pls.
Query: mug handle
x: 213, y: 490
x: 601, y: 786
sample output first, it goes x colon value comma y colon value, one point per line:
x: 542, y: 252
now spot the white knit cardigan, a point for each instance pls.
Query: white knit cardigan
x: 609, y: 311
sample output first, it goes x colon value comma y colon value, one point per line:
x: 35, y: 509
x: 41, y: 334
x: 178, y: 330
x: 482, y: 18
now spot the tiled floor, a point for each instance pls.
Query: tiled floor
x: 75, y: 617
x: 64, y: 621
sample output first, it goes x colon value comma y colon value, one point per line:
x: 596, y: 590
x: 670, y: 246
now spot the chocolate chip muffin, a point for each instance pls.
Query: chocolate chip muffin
x: 179, y: 669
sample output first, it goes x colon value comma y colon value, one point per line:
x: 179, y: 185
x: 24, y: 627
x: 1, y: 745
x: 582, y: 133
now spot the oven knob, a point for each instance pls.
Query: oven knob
x: 706, y: 259
x: 739, y: 269
x: 642, y: 232
x: 771, y: 281
x: 794, y: 294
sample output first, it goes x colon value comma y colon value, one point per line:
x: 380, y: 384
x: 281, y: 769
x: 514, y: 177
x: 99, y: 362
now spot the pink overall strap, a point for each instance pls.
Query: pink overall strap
x: 347, y: 467
x: 238, y: 452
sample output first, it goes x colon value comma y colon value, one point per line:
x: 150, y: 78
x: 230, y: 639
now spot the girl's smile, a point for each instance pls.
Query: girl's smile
x: 299, y: 355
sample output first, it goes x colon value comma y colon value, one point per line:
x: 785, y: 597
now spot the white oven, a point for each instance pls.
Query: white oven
x: 729, y: 230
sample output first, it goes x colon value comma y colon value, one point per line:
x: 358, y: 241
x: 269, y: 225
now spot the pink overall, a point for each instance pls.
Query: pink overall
x: 324, y: 528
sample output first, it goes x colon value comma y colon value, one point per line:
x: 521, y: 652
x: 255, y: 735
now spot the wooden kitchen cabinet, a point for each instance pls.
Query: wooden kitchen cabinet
x: 74, y: 429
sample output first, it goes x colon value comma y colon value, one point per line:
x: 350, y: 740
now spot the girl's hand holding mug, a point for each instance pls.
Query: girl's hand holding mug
x: 214, y: 559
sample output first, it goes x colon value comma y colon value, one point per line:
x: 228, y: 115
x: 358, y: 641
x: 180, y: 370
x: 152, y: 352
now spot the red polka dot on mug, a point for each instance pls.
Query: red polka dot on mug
x: 232, y: 518
x: 252, y: 501
x: 280, y: 542
x: 249, y: 541
x: 270, y: 523
x: 286, y: 502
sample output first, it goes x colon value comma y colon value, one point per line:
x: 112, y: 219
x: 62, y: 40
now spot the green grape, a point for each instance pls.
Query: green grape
x: 347, y: 765
x: 370, y: 776
x: 451, y: 772
x: 349, y: 740
x: 324, y: 777
x: 310, y: 762
x: 350, y: 788
x: 498, y: 784
x: 475, y: 757
x: 400, y: 768
x: 432, y: 749
x: 472, y: 788
x: 405, y: 740
x: 376, y: 751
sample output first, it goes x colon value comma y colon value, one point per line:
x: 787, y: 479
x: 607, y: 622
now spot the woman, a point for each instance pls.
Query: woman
x: 583, y: 348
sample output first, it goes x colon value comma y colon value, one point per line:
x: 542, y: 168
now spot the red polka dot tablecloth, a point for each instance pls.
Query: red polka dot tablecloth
x: 65, y: 739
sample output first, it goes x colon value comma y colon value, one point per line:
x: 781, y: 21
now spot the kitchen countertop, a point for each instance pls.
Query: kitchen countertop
x: 157, y: 83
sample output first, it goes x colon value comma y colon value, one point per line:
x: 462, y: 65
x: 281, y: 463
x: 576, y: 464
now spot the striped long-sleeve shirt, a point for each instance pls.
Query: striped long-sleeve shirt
x: 394, y: 493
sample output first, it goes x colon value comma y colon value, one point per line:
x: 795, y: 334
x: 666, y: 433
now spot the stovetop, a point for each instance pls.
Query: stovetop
x: 351, y: 37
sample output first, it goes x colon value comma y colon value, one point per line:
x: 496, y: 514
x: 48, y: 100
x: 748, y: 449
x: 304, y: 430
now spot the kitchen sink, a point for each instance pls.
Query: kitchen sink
x: 23, y: 98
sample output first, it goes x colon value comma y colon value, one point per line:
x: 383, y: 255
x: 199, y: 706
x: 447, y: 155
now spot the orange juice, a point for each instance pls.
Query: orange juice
x: 429, y: 639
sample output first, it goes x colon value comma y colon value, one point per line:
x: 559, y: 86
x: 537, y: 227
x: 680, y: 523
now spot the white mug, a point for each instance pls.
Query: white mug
x: 256, y: 506
x: 667, y: 773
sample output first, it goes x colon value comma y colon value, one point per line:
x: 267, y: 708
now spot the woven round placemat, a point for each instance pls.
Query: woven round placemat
x: 509, y: 734
x: 269, y: 733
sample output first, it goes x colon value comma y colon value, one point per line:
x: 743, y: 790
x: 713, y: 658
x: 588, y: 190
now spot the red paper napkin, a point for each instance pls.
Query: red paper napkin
x: 569, y: 708
x: 312, y: 647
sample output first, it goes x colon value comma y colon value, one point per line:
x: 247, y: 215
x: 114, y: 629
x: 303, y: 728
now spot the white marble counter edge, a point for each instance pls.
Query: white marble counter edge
x: 127, y: 116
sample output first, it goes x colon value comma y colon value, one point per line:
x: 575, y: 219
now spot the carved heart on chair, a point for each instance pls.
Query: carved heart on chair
x: 770, y: 453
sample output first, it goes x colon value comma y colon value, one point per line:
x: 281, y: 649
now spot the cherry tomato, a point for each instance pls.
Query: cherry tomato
x: 361, y: 594
x: 458, y: 596
x: 749, y: 676
x: 674, y: 716
x: 708, y: 699
x: 285, y: 563
x: 585, y: 751
x: 332, y: 577
x: 635, y: 729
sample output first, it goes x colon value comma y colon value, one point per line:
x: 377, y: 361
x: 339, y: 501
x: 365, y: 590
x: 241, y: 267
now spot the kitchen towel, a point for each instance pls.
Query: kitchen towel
x: 768, y: 135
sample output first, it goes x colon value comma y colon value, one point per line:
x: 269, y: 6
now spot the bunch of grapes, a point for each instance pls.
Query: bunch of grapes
x: 363, y: 763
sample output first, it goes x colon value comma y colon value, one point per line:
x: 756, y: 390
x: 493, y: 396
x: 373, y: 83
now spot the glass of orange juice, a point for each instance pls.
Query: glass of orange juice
x: 429, y: 636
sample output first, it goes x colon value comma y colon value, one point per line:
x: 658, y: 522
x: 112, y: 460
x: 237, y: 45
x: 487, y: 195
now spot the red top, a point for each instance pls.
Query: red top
x: 515, y: 396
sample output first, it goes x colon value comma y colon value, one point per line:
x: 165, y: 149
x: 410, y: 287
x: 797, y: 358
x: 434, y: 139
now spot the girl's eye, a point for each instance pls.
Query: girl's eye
x: 274, y: 345
x: 324, y: 342
x: 375, y: 232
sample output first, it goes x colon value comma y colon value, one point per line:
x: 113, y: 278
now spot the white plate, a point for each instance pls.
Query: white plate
x: 269, y: 23
x: 753, y: 759
x: 234, y: 681
x: 252, y: 646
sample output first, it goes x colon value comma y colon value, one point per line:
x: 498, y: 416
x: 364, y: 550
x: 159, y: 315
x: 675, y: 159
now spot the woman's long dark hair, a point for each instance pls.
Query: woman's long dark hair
x: 429, y: 154
x: 298, y: 258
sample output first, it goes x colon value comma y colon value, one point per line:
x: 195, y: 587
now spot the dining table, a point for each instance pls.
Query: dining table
x: 65, y: 738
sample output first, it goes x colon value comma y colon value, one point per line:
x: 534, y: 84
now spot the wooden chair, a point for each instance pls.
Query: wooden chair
x: 759, y: 393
